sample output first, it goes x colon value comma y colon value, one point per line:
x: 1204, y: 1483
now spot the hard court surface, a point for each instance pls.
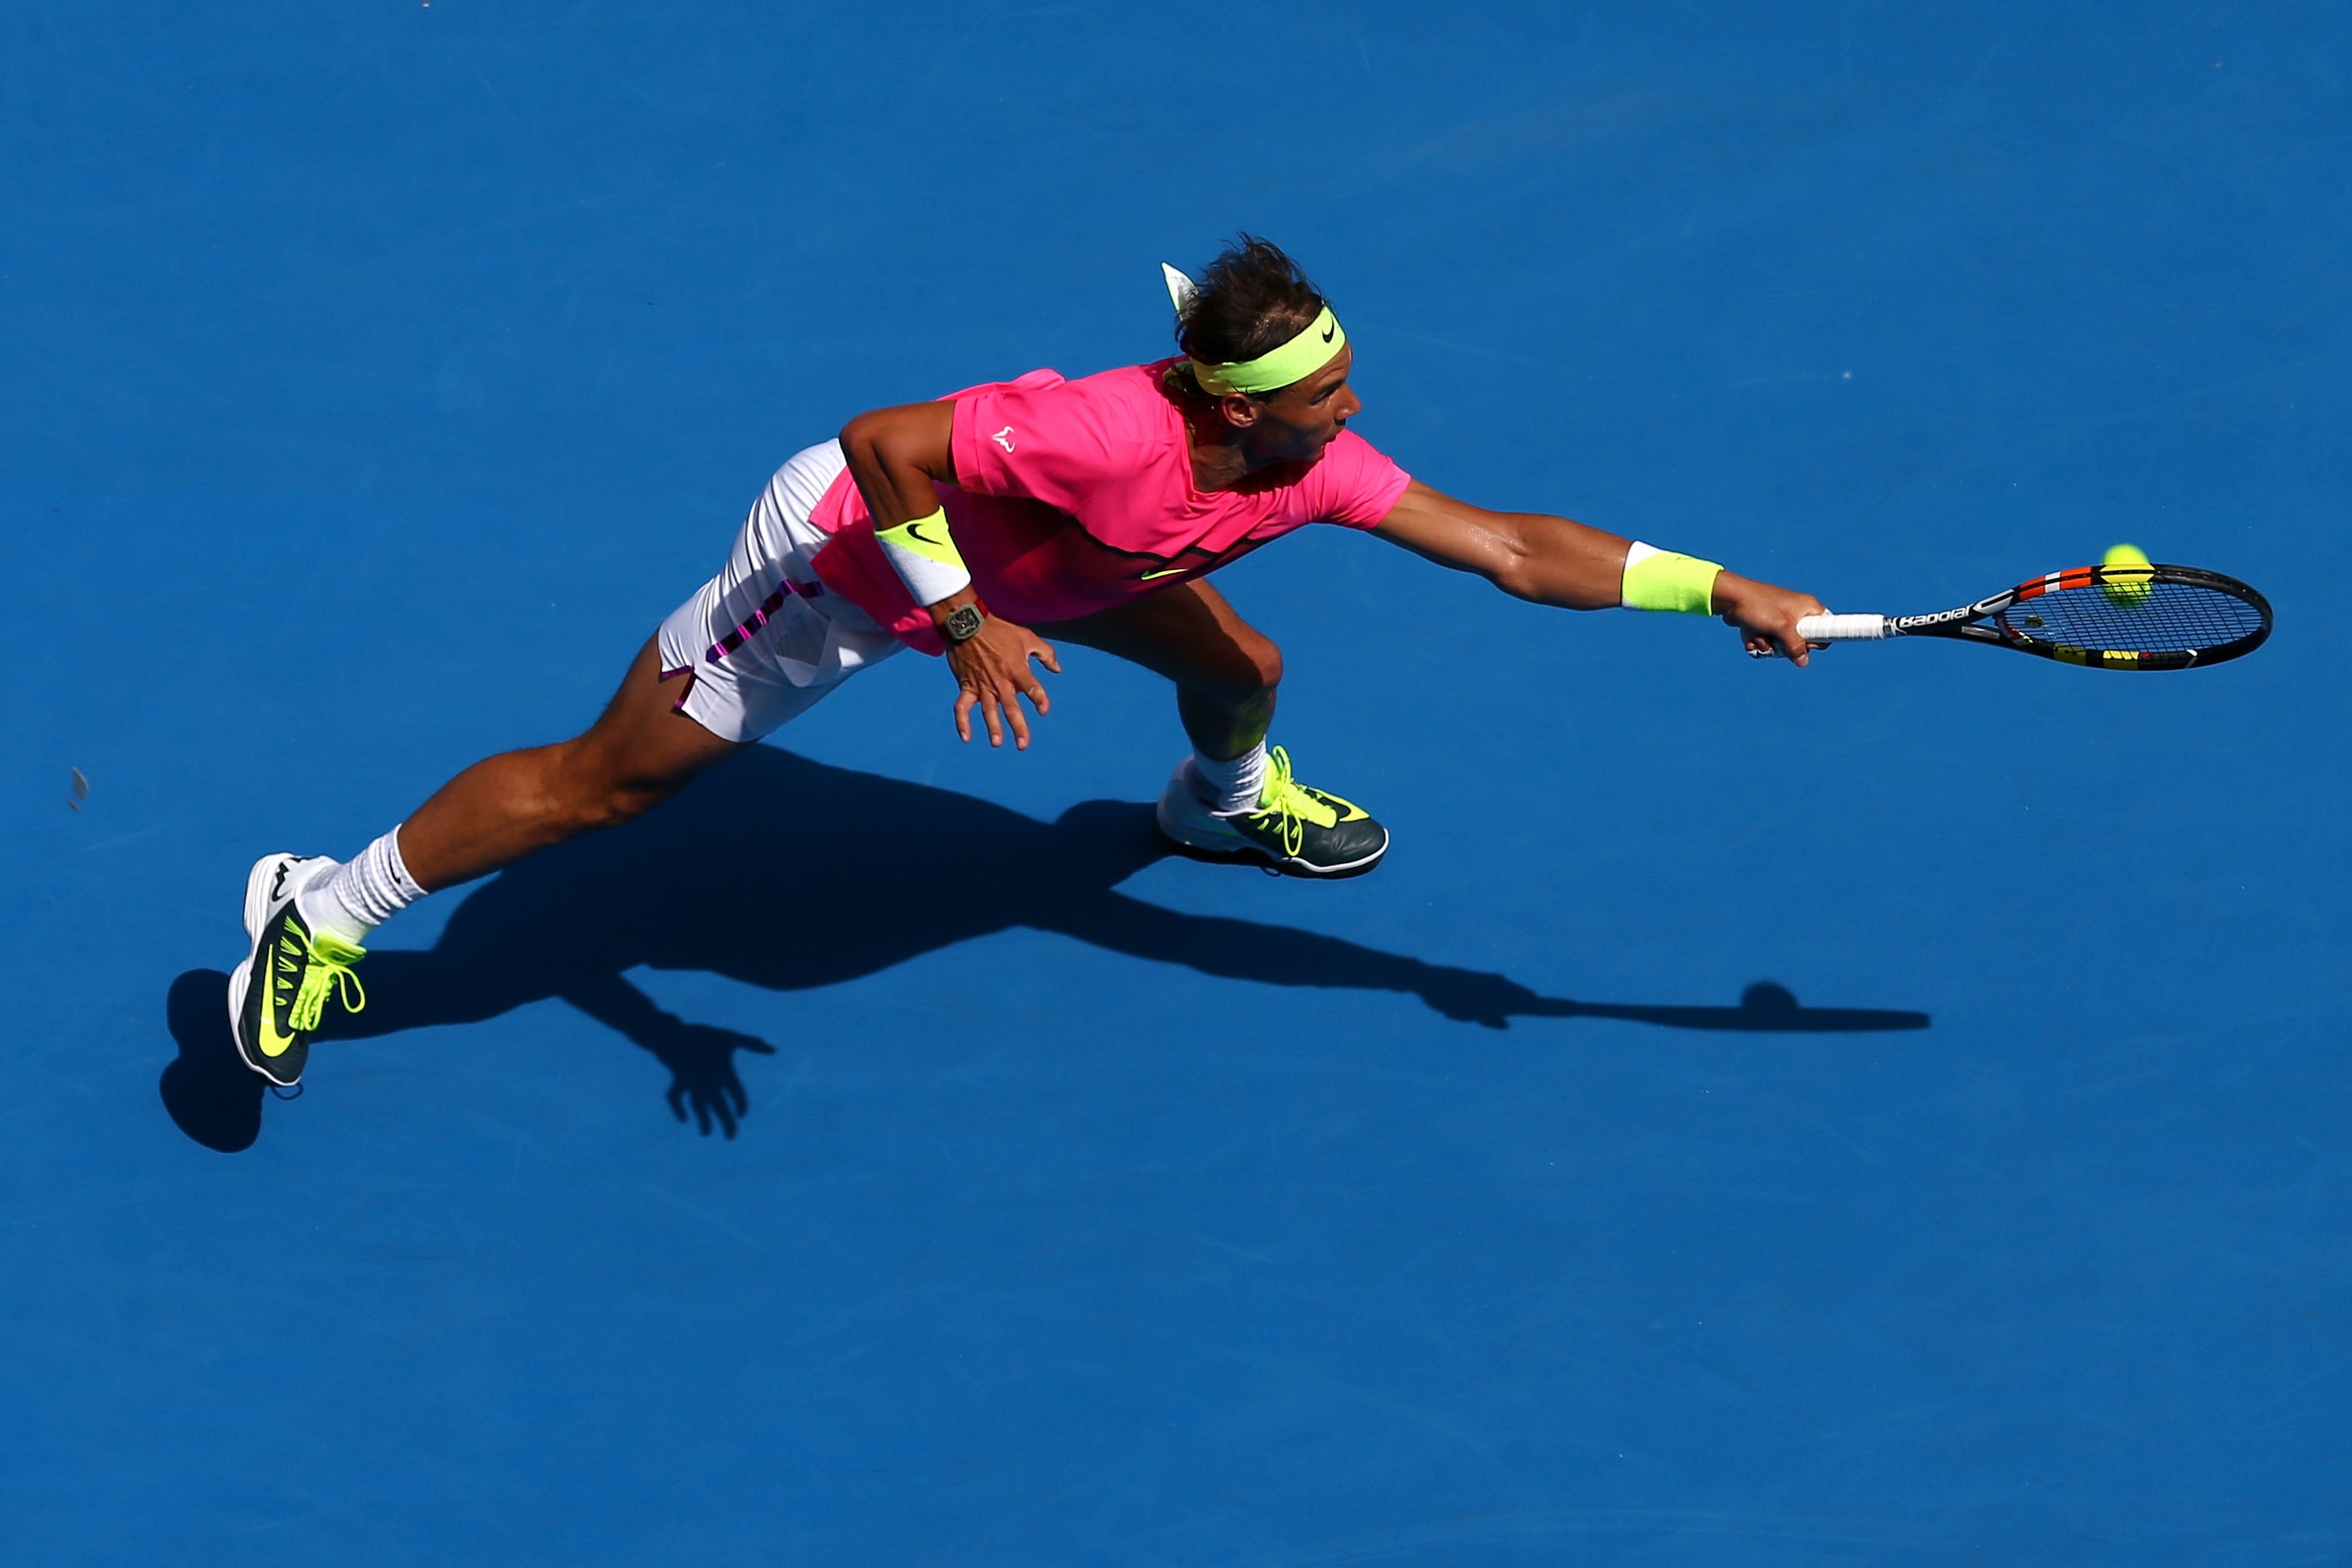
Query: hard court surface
x: 373, y: 376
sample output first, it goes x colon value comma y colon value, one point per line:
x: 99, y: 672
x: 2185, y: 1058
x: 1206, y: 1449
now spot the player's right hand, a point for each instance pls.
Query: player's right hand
x: 1766, y: 616
x: 992, y: 673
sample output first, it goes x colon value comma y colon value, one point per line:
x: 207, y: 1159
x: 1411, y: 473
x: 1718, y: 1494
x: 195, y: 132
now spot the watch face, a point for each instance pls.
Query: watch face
x: 962, y: 625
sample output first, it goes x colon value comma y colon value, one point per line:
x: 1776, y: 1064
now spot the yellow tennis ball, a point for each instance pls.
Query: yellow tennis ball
x: 2128, y: 588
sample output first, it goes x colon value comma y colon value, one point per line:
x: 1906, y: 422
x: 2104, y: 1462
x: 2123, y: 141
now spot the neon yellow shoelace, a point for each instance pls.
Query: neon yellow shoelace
x: 1287, y: 801
x: 329, y: 968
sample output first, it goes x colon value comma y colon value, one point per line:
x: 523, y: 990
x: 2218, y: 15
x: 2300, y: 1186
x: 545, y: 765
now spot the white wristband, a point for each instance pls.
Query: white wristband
x: 924, y: 555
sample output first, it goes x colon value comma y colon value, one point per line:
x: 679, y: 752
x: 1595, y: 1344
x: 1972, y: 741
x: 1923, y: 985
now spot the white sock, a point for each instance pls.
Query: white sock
x: 1234, y: 784
x: 353, y: 899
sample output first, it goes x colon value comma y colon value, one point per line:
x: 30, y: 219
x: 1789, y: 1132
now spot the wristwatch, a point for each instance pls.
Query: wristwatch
x: 962, y: 625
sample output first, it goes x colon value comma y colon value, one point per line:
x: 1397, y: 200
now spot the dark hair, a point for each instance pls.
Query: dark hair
x: 1252, y: 300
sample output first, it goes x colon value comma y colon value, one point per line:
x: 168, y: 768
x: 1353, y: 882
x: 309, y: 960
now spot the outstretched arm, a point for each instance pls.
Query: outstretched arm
x: 1280, y: 955
x: 1551, y: 561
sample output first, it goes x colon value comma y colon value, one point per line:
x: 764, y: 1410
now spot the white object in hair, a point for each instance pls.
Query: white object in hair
x: 1181, y: 288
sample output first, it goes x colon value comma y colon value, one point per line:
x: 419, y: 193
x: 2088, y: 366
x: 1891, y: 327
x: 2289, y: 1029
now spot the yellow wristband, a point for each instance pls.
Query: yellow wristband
x: 924, y: 555
x: 1663, y: 580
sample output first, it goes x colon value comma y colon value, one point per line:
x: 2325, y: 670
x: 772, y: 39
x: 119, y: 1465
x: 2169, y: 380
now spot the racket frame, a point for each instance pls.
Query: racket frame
x: 1975, y: 622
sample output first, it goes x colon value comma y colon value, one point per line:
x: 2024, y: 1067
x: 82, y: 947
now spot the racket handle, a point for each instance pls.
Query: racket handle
x: 1843, y: 629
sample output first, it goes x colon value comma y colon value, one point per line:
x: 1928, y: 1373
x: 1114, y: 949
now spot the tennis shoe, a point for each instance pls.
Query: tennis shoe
x: 1295, y: 827
x: 278, y: 996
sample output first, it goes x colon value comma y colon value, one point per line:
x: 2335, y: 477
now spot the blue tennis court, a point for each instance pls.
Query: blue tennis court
x: 1888, y: 1113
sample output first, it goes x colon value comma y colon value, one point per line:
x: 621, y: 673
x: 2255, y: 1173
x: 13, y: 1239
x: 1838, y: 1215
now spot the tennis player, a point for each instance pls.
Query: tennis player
x: 986, y: 527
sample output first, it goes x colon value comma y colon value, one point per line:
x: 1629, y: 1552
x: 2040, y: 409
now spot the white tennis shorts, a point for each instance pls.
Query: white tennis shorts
x: 765, y: 639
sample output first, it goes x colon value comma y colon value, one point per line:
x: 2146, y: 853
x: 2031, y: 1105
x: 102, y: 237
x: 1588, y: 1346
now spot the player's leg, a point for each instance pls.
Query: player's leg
x: 1226, y: 671
x: 644, y: 750
x: 309, y: 917
x: 757, y: 645
x: 1232, y: 795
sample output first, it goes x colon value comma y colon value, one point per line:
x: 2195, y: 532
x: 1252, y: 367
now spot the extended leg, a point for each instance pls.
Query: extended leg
x: 638, y: 754
x: 307, y: 916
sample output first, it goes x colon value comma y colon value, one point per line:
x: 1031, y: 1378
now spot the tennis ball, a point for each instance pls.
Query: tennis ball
x: 2128, y: 588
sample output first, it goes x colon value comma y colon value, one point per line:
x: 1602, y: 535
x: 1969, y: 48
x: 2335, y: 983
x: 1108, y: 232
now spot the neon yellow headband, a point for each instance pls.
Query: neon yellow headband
x: 1296, y: 360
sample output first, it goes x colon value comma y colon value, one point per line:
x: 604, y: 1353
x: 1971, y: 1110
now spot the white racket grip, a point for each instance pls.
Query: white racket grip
x: 1842, y: 628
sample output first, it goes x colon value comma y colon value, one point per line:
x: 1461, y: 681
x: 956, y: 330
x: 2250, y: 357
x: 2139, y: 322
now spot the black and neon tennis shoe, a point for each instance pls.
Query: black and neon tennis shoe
x: 1295, y: 827
x: 279, y: 994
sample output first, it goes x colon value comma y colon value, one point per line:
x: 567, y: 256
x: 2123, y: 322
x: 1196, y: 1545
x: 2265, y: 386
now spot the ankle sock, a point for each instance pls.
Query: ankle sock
x: 1233, y: 785
x: 352, y: 899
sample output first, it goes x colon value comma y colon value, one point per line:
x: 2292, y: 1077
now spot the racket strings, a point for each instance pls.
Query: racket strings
x: 2175, y: 617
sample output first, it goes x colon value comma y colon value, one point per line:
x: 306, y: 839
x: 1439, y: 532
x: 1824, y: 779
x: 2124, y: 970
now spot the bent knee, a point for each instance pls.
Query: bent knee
x: 1265, y: 663
x: 1248, y: 671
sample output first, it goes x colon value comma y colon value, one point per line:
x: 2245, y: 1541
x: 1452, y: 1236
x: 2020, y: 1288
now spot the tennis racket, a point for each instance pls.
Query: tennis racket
x: 2102, y: 617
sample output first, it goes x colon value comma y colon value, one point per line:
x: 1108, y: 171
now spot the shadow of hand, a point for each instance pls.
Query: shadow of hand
x: 1468, y: 996
x: 700, y: 1056
x: 702, y: 1077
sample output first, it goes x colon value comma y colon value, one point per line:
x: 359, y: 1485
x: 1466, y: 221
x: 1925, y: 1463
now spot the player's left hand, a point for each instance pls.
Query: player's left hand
x: 993, y: 672
x: 1767, y: 617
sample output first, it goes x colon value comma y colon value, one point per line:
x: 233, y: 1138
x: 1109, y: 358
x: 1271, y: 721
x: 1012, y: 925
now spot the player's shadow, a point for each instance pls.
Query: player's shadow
x: 790, y: 874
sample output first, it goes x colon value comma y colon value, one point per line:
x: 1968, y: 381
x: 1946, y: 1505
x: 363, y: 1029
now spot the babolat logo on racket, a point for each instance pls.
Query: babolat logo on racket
x: 1910, y: 624
x: 2128, y: 613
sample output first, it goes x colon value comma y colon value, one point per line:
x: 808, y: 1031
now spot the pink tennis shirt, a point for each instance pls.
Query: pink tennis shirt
x: 1075, y: 496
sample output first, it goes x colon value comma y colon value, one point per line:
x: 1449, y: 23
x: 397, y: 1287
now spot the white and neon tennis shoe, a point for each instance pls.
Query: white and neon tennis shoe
x: 1298, y: 830
x: 277, y: 997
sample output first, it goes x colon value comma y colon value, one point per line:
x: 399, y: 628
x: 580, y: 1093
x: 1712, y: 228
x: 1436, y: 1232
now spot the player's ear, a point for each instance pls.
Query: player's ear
x: 1240, y: 411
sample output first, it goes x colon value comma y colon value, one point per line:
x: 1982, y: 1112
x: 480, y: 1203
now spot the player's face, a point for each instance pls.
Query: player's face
x: 1293, y: 425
